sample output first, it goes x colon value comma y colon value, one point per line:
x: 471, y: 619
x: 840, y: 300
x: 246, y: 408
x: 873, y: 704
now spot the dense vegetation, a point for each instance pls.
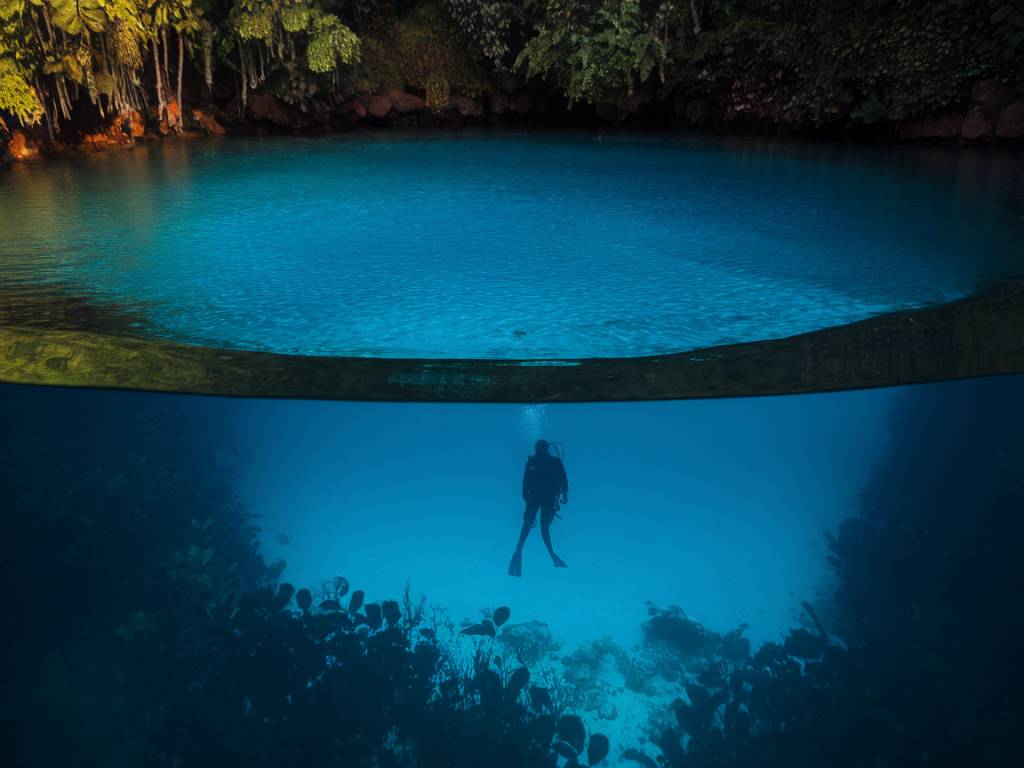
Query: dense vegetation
x: 799, y: 61
x: 143, y: 628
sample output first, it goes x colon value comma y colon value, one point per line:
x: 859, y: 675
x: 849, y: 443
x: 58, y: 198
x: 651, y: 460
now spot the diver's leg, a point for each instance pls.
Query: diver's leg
x: 546, y: 518
x: 529, y: 518
x: 515, y: 567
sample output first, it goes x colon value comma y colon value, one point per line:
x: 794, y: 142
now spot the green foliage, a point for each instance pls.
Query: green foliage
x: 295, y: 18
x: 253, y: 19
x: 330, y: 43
x: 11, y: 8
x: 282, y: 26
x: 421, y: 51
x: 1007, y: 39
x: 486, y: 23
x: 78, y: 16
x: 902, y: 58
x: 593, y: 53
x: 792, y: 61
x: 16, y: 94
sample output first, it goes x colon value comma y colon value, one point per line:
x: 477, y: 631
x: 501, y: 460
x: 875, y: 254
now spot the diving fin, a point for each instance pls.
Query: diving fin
x: 558, y: 562
x: 515, y: 568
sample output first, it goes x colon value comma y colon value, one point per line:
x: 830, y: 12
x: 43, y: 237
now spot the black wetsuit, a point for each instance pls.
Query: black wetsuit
x: 544, y: 480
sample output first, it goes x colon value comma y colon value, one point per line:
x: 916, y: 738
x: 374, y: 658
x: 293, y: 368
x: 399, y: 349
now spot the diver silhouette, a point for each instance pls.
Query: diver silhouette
x: 544, y: 481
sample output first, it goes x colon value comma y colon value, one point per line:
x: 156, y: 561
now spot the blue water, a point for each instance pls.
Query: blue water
x: 717, y: 506
x: 721, y: 507
x: 507, y: 245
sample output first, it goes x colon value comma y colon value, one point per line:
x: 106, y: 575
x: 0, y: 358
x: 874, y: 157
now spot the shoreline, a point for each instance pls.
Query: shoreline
x: 976, y: 124
x: 979, y: 336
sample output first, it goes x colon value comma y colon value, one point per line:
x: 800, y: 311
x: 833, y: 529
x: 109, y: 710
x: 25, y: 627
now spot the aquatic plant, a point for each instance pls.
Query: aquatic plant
x: 921, y: 668
x: 146, y: 628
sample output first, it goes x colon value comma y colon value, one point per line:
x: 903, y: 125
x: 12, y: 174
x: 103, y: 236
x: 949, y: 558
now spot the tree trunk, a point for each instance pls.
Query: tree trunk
x: 181, y: 70
x: 41, y: 96
x: 245, y: 84
x: 695, y: 13
x: 167, y: 68
x: 208, y: 58
x: 156, y: 69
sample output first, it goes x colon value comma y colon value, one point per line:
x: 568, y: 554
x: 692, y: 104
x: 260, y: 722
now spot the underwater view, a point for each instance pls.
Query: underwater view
x: 494, y: 384
x: 496, y: 489
x: 807, y: 580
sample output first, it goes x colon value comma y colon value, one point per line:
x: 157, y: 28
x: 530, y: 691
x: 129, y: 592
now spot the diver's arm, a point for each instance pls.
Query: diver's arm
x: 565, y: 482
x: 526, y: 477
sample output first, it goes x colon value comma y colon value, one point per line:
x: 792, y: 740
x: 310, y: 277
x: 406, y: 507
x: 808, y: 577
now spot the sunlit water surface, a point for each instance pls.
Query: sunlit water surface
x: 506, y: 245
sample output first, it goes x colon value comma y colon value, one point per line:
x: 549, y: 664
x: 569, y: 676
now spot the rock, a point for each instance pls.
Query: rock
x: 466, y: 106
x: 1011, y: 122
x: 265, y: 108
x: 98, y: 141
x: 173, y: 112
x: 499, y: 101
x: 991, y: 97
x: 937, y: 127
x: 607, y: 711
x: 136, y: 124
x: 408, y: 102
x: 976, y: 125
x: 19, y: 147
x: 207, y: 122
x: 353, y: 109
x: 118, y: 132
x: 522, y: 103
x: 379, y: 106
x: 697, y: 111
x: 611, y: 113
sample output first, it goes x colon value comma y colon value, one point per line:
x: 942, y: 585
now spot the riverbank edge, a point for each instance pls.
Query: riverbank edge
x: 978, y: 336
x: 992, y: 116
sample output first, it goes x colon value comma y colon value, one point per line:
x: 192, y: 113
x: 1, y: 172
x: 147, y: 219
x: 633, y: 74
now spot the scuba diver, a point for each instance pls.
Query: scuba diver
x: 544, y: 486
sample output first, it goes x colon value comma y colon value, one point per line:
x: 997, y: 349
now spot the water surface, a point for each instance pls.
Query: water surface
x: 501, y: 245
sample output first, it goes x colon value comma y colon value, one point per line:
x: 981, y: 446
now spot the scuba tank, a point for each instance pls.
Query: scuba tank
x: 560, y: 453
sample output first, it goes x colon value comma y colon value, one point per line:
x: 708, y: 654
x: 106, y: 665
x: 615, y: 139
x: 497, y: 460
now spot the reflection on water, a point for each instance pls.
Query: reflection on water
x: 510, y: 245
x: 832, y: 580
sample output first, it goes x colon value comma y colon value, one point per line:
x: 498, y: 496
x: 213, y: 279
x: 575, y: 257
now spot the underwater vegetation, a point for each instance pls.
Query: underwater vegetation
x: 144, y: 628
